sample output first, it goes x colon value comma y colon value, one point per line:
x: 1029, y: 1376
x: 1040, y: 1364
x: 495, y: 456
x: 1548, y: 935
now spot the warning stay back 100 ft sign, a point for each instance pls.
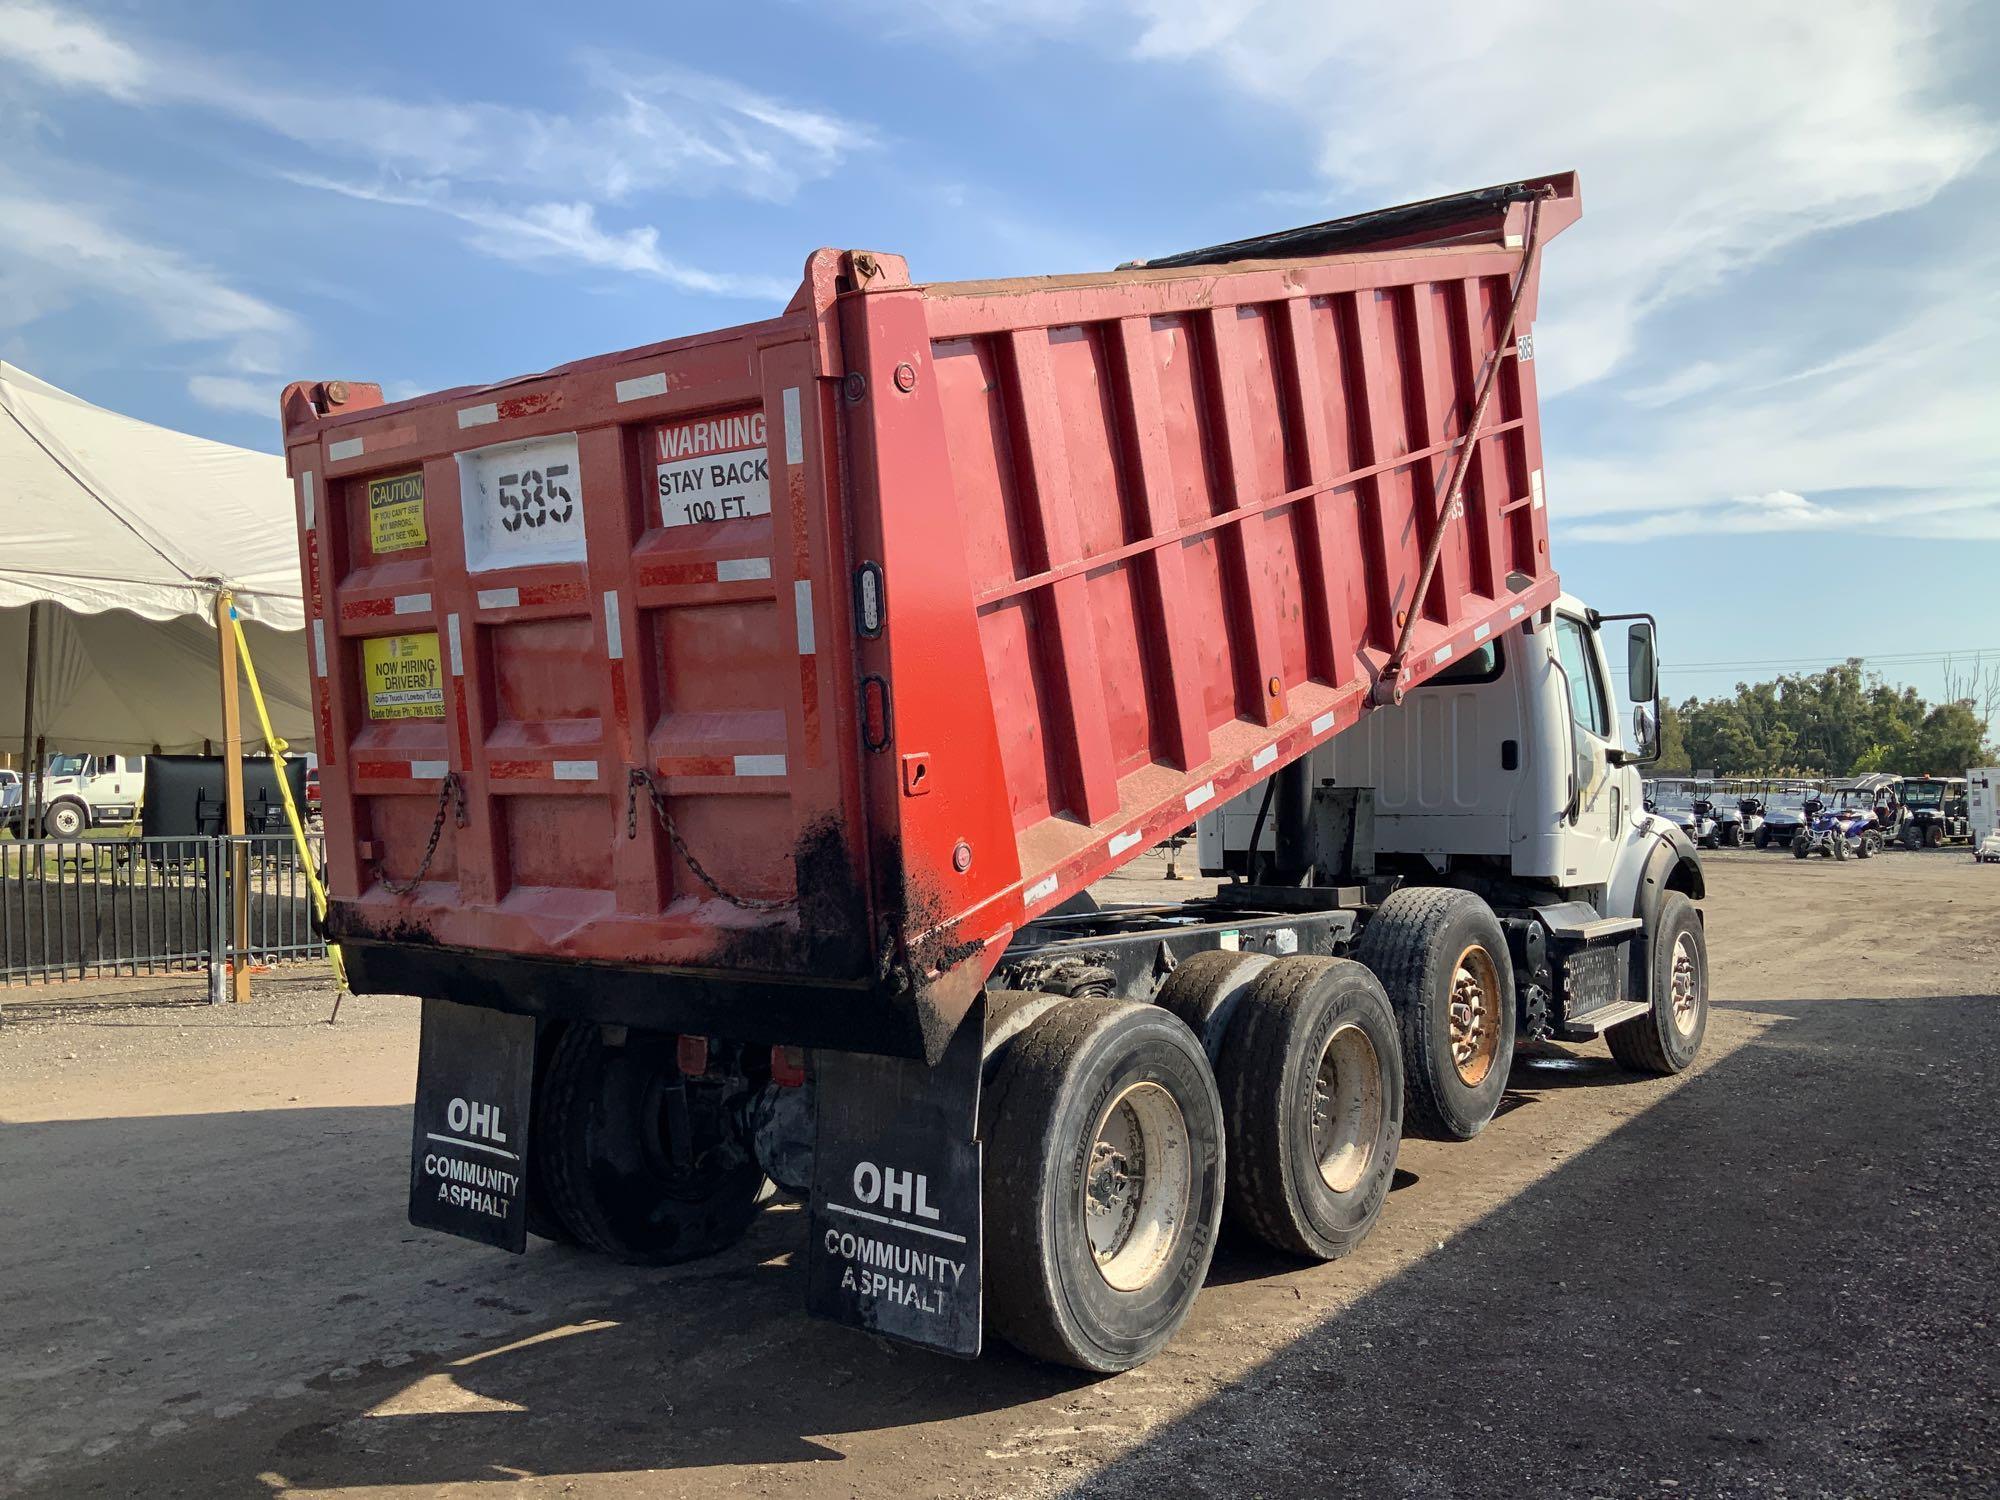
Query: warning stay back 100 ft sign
x: 713, y: 468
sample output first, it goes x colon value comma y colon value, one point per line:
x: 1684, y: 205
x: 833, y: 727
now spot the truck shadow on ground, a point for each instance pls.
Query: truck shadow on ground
x: 1721, y: 1287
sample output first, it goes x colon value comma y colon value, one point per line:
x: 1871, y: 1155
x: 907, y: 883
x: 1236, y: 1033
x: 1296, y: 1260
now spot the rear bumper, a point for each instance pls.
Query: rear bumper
x: 757, y: 1008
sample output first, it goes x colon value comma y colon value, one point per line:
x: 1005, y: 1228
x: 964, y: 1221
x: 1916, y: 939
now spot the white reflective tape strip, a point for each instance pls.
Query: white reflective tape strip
x: 499, y: 598
x: 575, y: 770
x: 1515, y: 612
x: 306, y: 500
x: 319, y: 645
x: 1535, y: 487
x: 479, y: 416
x: 614, y: 630
x: 802, y: 601
x: 1482, y: 632
x: 741, y: 569
x: 642, y: 386
x: 1513, y: 242
x: 345, y: 448
x: 795, y: 440
x: 1263, y: 757
x: 413, y: 604
x: 1041, y: 888
x: 1120, y: 842
x: 1200, y: 794
x: 1322, y: 724
x: 760, y: 765
x: 457, y: 655
x: 428, y: 770
x: 1443, y: 653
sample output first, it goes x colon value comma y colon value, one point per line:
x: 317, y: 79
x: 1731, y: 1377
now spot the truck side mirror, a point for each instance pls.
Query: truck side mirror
x: 1641, y: 672
x: 1645, y: 732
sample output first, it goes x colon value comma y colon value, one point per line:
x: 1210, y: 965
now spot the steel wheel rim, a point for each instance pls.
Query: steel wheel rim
x: 1137, y: 1186
x: 1475, y: 1015
x: 1346, y: 1109
x: 1684, y: 986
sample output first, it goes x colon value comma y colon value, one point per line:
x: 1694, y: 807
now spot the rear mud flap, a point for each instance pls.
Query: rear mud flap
x: 469, y: 1141
x: 895, y: 1238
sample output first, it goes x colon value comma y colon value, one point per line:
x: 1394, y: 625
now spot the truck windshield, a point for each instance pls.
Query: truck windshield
x: 66, y: 765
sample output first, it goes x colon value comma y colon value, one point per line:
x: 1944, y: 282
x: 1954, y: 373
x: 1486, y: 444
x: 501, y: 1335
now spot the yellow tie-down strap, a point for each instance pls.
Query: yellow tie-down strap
x: 277, y: 747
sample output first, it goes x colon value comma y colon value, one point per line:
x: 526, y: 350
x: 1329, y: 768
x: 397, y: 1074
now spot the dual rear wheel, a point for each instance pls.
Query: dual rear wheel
x: 1116, y: 1134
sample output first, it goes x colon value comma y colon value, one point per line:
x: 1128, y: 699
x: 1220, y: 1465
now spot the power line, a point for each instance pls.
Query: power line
x: 1884, y: 659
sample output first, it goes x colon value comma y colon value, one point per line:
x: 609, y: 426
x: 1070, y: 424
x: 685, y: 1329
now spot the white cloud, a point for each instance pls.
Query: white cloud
x: 537, y: 232
x: 647, y: 128
x: 1707, y: 139
x: 56, y: 253
x: 235, y: 393
x: 69, y: 51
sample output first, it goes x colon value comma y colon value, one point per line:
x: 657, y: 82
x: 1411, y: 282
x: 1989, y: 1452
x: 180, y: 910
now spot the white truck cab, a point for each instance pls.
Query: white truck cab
x: 1512, y: 774
x: 80, y: 792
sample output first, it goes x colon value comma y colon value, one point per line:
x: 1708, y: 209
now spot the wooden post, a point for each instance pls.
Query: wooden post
x: 31, y: 783
x: 233, y: 819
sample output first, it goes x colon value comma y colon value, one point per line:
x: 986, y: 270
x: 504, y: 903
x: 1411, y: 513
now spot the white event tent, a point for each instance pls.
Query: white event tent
x: 116, y: 539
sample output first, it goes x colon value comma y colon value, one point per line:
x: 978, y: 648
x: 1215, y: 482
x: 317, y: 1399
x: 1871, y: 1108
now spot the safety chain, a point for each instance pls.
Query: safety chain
x: 450, y: 790
x: 641, y: 777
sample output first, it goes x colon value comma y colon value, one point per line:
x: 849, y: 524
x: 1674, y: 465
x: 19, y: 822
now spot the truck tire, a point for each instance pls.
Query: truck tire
x: 65, y: 820
x: 543, y: 1220
x: 1666, y: 1039
x: 1312, y: 1095
x: 1205, y: 990
x: 607, y: 1157
x: 1443, y: 959
x: 1104, y: 1178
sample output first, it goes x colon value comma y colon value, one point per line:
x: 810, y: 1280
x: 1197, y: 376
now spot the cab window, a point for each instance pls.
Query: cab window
x: 1586, y: 690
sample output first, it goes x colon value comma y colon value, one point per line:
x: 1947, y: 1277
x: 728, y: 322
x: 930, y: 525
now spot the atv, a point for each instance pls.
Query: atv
x: 1866, y: 812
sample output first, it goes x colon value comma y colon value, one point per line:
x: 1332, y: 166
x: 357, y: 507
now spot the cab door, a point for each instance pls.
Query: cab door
x: 1594, y: 818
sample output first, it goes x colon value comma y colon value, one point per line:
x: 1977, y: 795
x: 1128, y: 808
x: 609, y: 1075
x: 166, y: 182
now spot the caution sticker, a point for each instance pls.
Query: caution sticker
x: 396, y: 513
x: 713, y: 469
x: 402, y: 677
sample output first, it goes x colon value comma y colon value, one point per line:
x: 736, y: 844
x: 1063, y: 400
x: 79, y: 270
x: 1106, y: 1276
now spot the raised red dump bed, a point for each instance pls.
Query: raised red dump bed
x: 768, y: 680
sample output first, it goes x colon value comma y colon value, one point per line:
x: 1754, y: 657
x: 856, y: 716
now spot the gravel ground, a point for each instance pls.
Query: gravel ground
x: 1773, y: 1275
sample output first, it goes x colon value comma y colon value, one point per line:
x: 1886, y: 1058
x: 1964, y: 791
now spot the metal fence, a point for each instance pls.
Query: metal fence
x: 118, y: 908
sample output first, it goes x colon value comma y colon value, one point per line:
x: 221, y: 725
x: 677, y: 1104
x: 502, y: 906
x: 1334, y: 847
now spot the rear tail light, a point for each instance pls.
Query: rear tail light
x: 788, y: 1066
x: 692, y: 1054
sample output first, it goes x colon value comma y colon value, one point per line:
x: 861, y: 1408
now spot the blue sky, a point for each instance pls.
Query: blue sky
x: 1771, y: 349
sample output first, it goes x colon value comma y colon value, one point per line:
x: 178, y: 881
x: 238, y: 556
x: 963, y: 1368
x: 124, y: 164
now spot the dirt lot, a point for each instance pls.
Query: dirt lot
x: 1772, y: 1276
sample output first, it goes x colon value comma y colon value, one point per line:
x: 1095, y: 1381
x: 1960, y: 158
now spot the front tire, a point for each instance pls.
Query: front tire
x: 1312, y: 1089
x: 1666, y: 1039
x: 65, y: 820
x: 1443, y: 960
x: 1763, y: 838
x: 1869, y: 845
x: 1104, y: 1183
x: 1801, y: 846
x: 615, y: 1171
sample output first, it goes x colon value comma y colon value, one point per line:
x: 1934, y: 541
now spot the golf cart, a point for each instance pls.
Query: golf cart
x: 1688, y: 805
x: 1788, y: 807
x: 1864, y: 815
x: 1936, y: 812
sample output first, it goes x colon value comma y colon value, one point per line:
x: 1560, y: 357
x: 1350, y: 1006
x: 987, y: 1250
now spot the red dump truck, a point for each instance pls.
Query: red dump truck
x: 722, y: 738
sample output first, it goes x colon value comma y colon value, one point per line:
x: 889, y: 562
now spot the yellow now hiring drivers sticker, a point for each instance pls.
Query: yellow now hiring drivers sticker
x: 401, y: 675
x: 396, y: 513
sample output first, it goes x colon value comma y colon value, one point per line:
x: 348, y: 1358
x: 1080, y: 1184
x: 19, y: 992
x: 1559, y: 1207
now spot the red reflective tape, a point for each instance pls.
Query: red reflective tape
x: 698, y: 765
x: 464, y: 728
x: 620, y: 712
x: 367, y: 609
x: 552, y: 593
x: 669, y: 575
x: 809, y: 696
x: 326, y: 755
x: 518, y: 770
x: 382, y: 770
x: 529, y: 406
x: 317, y: 606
